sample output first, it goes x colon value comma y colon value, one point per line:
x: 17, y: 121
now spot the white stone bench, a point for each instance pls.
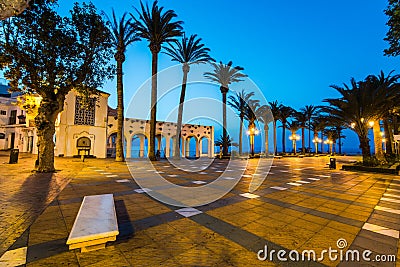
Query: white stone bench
x: 95, y: 224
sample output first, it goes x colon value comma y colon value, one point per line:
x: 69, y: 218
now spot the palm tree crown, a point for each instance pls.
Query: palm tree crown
x: 225, y: 75
x: 156, y: 26
x: 188, y: 51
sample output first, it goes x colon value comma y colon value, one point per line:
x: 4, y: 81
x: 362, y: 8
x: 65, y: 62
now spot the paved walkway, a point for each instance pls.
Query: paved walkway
x: 301, y: 206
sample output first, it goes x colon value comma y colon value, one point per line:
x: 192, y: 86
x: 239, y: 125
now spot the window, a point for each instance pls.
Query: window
x: 13, y: 117
x: 3, y: 112
x: 85, y: 115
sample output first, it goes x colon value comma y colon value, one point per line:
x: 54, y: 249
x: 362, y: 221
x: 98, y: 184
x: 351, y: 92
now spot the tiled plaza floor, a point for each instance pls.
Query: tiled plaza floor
x: 302, y: 205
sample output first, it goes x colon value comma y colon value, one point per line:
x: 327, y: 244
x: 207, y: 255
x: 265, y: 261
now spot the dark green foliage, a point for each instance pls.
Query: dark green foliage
x: 393, y: 34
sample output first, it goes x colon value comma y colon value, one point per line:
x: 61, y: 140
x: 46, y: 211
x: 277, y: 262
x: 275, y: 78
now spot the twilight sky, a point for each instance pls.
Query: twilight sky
x: 292, y: 50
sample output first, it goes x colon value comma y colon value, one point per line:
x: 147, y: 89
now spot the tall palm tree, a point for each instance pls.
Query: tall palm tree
x: 266, y: 117
x: 285, y: 113
x: 302, y: 119
x: 310, y: 111
x: 387, y: 87
x: 356, y: 107
x: 123, y: 35
x: 187, y: 52
x: 275, y: 110
x: 252, y: 113
x: 157, y: 27
x: 239, y: 102
x: 225, y: 75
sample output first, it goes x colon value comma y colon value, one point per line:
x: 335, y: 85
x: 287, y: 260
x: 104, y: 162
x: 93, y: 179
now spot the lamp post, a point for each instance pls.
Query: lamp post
x: 294, y: 138
x: 251, y: 132
x: 316, y: 141
x: 330, y: 143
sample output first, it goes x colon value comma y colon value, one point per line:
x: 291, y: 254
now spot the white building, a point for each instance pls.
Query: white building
x: 92, y: 131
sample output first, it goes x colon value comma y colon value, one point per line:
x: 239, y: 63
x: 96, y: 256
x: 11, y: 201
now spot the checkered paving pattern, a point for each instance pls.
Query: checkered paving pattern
x: 301, y: 205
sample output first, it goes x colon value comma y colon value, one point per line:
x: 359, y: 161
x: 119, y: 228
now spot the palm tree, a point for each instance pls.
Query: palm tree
x: 187, y: 52
x: 266, y: 117
x: 123, y: 35
x: 310, y: 111
x: 225, y: 75
x: 386, y: 87
x: 275, y: 110
x: 239, y: 102
x: 157, y: 27
x: 252, y: 113
x: 357, y: 106
x: 302, y: 119
x: 285, y: 113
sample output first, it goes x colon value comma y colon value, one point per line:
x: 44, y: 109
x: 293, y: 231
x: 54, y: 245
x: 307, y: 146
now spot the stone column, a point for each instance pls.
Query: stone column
x: 197, y: 148
x: 141, y: 151
x: 129, y: 148
x: 167, y: 148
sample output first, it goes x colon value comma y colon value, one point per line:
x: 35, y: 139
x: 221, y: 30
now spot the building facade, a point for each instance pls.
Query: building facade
x: 90, y: 129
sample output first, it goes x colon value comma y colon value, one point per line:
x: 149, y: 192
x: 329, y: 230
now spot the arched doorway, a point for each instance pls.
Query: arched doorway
x: 205, y: 147
x: 83, y: 146
x: 111, y: 144
x: 139, y: 147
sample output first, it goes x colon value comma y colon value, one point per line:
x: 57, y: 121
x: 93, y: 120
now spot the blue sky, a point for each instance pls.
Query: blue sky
x: 292, y: 50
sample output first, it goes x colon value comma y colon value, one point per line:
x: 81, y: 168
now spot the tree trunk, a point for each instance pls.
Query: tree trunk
x: 303, y: 149
x: 275, y: 141
x: 309, y: 135
x: 240, y: 135
x: 224, y: 131
x: 340, y: 143
x: 153, y: 114
x: 45, y: 125
x: 378, y: 141
x: 322, y: 142
x: 283, y: 139
x: 365, y: 148
x: 177, y: 154
x: 266, y: 129
x: 119, y: 149
x: 388, y: 136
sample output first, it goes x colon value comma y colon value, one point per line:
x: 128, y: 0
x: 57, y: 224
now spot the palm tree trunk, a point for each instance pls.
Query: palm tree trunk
x: 240, y: 135
x: 275, y: 141
x: 340, y: 142
x: 303, y: 149
x: 378, y: 141
x: 283, y: 139
x: 180, y: 114
x: 266, y: 129
x: 365, y: 148
x: 322, y: 143
x: 119, y: 150
x: 388, y: 136
x: 309, y: 135
x: 153, y: 114
x: 224, y: 132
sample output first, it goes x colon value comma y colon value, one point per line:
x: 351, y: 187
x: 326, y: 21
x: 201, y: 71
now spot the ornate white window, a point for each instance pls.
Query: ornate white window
x: 85, y: 115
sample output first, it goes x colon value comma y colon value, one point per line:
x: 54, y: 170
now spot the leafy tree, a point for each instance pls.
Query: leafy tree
x: 157, y: 27
x: 44, y: 53
x: 9, y: 8
x: 225, y: 75
x: 187, y: 52
x: 239, y: 102
x: 393, y: 34
x: 123, y: 35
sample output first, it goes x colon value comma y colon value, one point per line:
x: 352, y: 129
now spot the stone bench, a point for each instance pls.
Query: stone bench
x: 277, y: 157
x: 95, y: 224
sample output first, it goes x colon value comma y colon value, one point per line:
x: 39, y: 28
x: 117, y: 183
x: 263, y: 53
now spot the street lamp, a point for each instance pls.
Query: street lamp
x: 316, y: 141
x: 251, y: 132
x: 294, y: 138
x: 330, y: 143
